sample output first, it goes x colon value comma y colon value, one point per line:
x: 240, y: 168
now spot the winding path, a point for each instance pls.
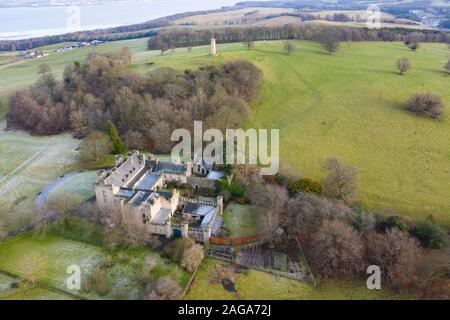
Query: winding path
x: 42, y: 197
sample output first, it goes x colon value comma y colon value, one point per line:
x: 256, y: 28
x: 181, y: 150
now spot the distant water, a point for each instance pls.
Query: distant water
x: 27, y: 22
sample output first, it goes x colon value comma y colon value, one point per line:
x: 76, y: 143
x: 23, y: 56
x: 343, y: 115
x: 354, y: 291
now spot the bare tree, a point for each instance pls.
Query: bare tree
x: 403, y: 65
x: 94, y: 147
x: 330, y: 40
x: 124, y: 227
x: 337, y: 250
x: 2, y: 230
x: 431, y: 275
x: 272, y: 201
x: 306, y: 213
x: 165, y: 288
x: 31, y: 268
x: 192, y: 257
x: 289, y: 47
x: 248, y: 44
x: 395, y: 252
x: 341, y: 181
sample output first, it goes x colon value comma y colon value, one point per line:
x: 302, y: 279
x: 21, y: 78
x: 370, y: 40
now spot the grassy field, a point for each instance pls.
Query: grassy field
x: 57, y: 253
x: 240, y: 220
x: 349, y: 105
x: 27, y: 165
x: 259, y: 285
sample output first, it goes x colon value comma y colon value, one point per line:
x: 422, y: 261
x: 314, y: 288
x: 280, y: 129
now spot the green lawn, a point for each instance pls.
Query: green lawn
x: 35, y: 293
x: 56, y: 254
x: 261, y: 286
x: 240, y: 220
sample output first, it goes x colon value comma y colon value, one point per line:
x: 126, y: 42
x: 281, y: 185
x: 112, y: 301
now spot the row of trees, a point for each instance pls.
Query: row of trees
x: 102, y: 94
x: 342, y: 240
x: 175, y: 38
x: 329, y: 39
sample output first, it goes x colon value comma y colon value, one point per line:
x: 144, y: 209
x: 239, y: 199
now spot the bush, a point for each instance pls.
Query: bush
x: 426, y: 104
x: 403, y: 65
x: 393, y: 222
x: 99, y: 281
x: 176, y: 248
x: 165, y: 288
x: 430, y: 234
x: 307, y: 185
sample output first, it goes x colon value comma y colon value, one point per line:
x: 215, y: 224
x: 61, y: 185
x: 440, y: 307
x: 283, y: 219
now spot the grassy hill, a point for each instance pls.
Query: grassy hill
x: 349, y: 105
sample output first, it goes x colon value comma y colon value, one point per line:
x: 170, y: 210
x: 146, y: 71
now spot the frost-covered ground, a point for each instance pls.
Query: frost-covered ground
x: 27, y: 165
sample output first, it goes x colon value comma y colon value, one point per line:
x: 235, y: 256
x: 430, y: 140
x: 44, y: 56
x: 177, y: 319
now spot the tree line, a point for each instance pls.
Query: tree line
x: 175, y: 38
x: 145, y: 109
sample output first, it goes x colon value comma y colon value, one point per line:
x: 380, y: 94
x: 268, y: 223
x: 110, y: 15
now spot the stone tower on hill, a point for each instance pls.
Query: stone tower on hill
x: 213, y: 49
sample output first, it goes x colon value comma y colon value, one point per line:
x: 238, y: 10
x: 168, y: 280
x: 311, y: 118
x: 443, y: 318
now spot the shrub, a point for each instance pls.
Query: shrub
x: 426, y: 104
x: 403, y: 65
x: 165, y: 288
x: 176, y: 248
x: 119, y: 147
x: 99, y: 281
x: 307, y: 185
x: 430, y: 234
x: 393, y: 222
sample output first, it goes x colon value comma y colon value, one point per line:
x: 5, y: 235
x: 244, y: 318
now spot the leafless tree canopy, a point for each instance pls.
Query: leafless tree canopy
x: 395, y: 252
x: 341, y: 182
x: 123, y: 227
x: 337, y: 250
x: 306, y: 213
x: 94, y: 147
x: 403, y: 65
x: 426, y: 104
x: 165, y: 288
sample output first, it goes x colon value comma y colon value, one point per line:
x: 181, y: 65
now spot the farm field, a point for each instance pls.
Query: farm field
x: 56, y: 254
x: 260, y: 286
